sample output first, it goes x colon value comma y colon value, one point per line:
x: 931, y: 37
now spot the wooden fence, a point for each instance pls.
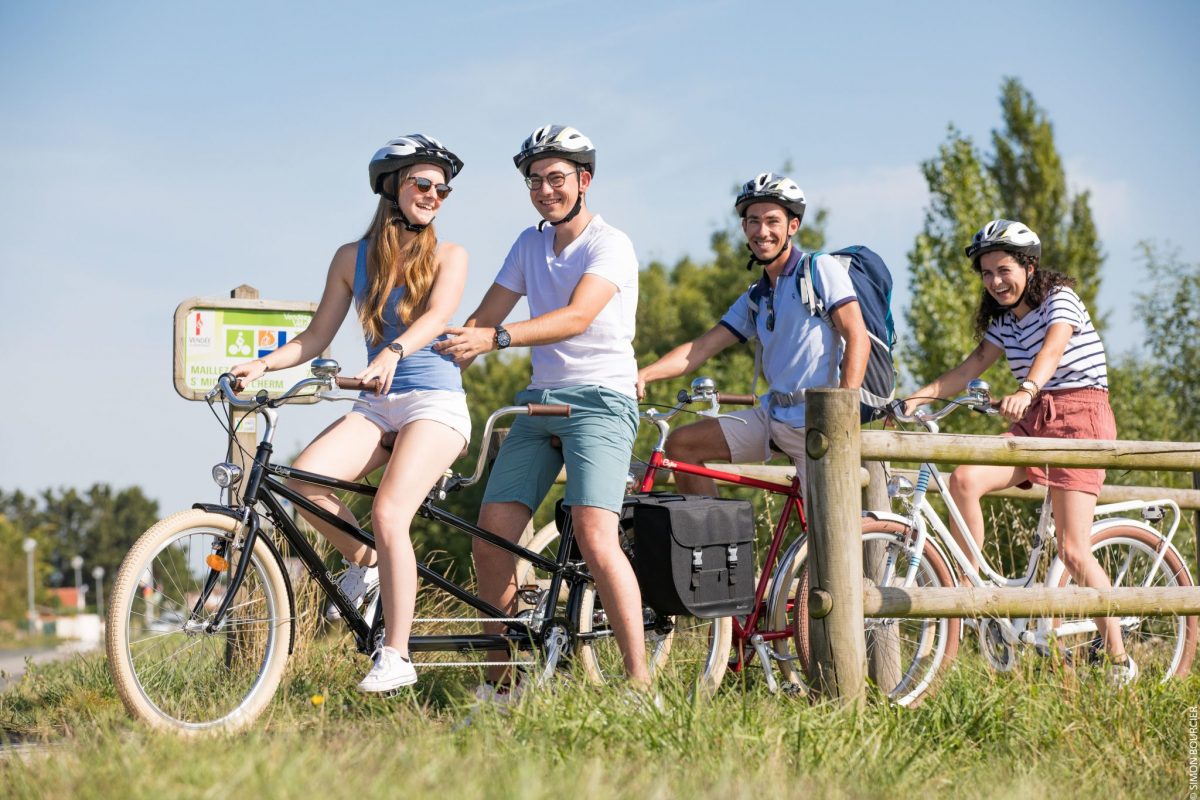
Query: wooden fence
x: 834, y: 446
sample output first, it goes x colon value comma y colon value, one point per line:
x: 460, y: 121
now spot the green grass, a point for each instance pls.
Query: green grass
x: 1035, y: 731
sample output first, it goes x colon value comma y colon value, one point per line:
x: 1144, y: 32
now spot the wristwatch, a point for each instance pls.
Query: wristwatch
x: 397, y: 348
x: 502, y: 338
x: 1029, y: 386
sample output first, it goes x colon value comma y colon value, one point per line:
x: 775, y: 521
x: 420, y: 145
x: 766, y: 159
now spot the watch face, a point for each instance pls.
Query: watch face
x: 502, y: 338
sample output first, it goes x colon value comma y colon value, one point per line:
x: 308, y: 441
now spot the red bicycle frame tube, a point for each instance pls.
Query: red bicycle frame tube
x: 742, y: 631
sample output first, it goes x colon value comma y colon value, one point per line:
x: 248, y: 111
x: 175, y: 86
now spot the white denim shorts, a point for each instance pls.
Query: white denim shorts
x: 752, y: 439
x: 391, y: 412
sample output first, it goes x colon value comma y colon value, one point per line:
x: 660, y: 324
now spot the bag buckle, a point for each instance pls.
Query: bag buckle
x: 697, y: 559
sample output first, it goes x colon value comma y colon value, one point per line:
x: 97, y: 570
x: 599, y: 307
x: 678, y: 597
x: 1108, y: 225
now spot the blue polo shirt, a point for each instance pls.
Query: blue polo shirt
x: 802, y: 351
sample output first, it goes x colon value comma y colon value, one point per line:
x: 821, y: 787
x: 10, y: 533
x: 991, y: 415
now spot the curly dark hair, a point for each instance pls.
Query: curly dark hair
x: 1041, y: 283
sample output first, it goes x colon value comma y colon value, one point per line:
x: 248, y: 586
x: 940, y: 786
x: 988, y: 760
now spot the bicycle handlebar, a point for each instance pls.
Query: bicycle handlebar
x: 329, y: 380
x: 979, y: 401
x: 736, y: 399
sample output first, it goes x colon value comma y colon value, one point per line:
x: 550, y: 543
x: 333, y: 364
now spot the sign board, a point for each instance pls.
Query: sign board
x: 214, y: 334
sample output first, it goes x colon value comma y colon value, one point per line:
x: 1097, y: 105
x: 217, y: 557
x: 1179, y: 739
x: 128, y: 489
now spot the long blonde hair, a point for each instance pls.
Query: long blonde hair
x: 391, y: 264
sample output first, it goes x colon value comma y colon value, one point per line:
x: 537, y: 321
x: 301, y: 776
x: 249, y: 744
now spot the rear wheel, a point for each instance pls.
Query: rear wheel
x: 677, y: 648
x: 168, y: 669
x: 1162, y: 647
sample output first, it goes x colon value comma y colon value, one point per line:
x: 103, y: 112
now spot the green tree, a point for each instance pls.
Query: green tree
x: 1022, y: 179
x: 1170, y: 310
x: 99, y: 524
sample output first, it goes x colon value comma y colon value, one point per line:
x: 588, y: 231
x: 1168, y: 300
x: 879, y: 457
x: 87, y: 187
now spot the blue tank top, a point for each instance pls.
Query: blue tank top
x: 423, y: 369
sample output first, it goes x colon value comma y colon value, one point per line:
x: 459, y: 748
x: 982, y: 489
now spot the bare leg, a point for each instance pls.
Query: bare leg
x: 423, y: 451
x: 695, y: 444
x: 596, y: 532
x: 968, y: 484
x: 347, y: 450
x: 1073, y: 513
x: 495, y: 569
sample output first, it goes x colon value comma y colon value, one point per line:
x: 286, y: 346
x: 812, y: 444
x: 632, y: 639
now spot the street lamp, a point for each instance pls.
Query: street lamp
x: 77, y: 563
x: 30, y: 545
x: 98, y: 574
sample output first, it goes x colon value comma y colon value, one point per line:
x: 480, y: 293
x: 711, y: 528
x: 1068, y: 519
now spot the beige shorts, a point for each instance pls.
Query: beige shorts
x: 757, y: 437
x: 391, y: 412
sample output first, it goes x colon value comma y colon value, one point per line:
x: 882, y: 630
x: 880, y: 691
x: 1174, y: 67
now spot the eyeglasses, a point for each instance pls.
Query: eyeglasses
x: 555, y: 179
x: 424, y: 185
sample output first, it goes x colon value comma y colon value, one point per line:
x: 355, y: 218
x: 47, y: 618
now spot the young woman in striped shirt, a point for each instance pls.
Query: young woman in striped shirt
x: 1033, y: 318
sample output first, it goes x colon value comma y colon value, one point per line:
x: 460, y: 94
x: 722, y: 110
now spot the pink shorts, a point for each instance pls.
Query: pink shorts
x: 1067, y: 414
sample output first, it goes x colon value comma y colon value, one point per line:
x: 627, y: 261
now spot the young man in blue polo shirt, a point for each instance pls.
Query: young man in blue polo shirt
x: 799, y: 351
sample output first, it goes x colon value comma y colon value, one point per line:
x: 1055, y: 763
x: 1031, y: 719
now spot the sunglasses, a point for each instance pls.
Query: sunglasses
x: 555, y: 179
x: 424, y: 185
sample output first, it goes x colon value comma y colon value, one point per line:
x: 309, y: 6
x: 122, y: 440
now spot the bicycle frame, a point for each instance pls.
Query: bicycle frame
x: 743, y: 631
x: 265, y: 485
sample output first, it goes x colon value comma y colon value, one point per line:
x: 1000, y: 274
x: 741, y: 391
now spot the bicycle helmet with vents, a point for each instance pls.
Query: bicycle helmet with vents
x: 1007, y: 235
x: 767, y: 187
x: 404, y: 151
x: 557, y: 141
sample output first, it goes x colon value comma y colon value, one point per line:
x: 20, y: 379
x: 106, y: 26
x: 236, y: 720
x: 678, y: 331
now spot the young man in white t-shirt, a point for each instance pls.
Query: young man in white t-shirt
x: 799, y: 351
x: 580, y: 276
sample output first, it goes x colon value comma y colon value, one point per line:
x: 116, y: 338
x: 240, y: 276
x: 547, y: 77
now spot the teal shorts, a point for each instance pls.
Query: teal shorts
x: 597, y: 442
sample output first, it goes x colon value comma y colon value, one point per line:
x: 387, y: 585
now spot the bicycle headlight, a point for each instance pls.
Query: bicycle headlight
x: 226, y: 474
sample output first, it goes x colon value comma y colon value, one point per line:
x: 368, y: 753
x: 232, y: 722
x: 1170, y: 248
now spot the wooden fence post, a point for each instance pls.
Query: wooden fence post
x: 834, y: 506
x: 883, y: 642
x: 242, y: 454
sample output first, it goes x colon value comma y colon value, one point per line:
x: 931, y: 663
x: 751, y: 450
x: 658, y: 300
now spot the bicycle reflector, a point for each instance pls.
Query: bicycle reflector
x: 226, y: 474
x: 216, y: 562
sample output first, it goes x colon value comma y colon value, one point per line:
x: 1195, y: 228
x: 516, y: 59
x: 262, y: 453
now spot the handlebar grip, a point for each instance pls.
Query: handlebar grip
x: 736, y: 399
x: 354, y: 384
x: 548, y: 410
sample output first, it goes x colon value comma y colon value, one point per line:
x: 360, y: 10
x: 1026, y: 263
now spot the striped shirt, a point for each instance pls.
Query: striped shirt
x: 1082, y: 363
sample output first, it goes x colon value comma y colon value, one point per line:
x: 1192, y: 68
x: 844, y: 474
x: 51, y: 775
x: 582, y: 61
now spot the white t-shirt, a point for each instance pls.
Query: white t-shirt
x: 1082, y: 364
x: 799, y: 351
x: 603, y: 354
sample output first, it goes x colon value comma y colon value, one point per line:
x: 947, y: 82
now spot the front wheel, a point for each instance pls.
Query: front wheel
x: 1162, y: 647
x: 169, y: 670
x: 918, y: 650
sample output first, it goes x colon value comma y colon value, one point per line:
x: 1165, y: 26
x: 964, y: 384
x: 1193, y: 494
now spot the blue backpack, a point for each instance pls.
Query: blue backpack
x: 872, y: 282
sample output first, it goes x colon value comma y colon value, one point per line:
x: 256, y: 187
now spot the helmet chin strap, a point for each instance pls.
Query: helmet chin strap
x: 403, y: 220
x: 1024, y: 292
x: 756, y: 260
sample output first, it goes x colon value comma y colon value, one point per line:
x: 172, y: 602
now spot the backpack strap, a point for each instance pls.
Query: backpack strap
x: 806, y: 283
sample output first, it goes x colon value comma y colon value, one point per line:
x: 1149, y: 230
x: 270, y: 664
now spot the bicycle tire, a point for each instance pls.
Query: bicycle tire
x: 927, y: 645
x: 1162, y: 647
x: 172, y: 674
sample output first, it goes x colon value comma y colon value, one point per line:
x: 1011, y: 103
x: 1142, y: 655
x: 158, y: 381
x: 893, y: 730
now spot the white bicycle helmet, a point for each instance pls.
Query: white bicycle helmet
x: 404, y: 151
x: 1004, y: 234
x: 561, y: 141
x: 767, y: 187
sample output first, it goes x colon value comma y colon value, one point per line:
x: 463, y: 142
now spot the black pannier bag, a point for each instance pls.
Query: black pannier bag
x: 693, y: 554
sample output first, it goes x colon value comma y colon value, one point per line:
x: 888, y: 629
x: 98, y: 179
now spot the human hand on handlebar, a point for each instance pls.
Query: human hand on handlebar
x: 247, y: 372
x: 380, y: 371
x: 1014, y: 406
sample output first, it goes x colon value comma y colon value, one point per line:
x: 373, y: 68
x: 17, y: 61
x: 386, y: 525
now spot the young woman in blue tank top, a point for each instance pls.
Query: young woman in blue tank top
x: 405, y: 285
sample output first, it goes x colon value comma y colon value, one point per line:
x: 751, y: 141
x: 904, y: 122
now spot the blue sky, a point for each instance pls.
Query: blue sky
x: 152, y: 152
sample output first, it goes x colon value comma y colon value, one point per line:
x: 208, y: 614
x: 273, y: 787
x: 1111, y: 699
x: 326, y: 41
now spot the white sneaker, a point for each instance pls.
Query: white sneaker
x: 391, y: 671
x: 1122, y: 675
x: 355, y: 582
